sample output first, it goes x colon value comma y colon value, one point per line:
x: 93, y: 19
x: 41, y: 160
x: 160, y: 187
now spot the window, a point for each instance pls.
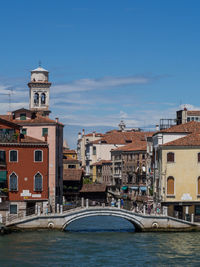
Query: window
x: 13, y: 156
x: 2, y: 157
x: 71, y: 166
x: 38, y: 155
x: 94, y: 150
x: 196, y: 118
x: 44, y: 131
x: 188, y: 119
x: 22, y: 116
x: 43, y: 98
x: 38, y: 182
x: 170, y: 157
x: 197, y: 210
x: 24, y: 131
x: 170, y: 185
x: 13, y: 209
x: 198, y: 186
x: 13, y: 182
x: 198, y: 157
x: 36, y: 99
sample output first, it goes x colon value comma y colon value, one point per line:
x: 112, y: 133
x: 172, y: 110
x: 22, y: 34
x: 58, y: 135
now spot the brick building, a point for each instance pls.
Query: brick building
x: 23, y: 168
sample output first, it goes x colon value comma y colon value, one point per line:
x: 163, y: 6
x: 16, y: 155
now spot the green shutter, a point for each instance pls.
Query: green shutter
x: 44, y: 131
x: 3, y: 176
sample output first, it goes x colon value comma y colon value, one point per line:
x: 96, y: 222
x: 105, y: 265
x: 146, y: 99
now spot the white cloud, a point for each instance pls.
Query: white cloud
x: 189, y: 107
x: 102, y: 83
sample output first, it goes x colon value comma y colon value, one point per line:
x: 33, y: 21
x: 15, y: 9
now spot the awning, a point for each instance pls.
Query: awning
x: 143, y: 188
x: 124, y: 187
x: 134, y: 187
x: 3, y: 176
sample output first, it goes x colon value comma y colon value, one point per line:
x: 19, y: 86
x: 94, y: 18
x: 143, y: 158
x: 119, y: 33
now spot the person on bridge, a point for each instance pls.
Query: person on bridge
x: 122, y: 203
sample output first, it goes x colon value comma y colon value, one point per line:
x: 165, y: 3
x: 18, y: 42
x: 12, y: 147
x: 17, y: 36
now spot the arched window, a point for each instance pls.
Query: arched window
x: 198, y: 186
x: 13, y: 182
x: 13, y: 155
x: 198, y: 157
x: 170, y: 157
x: 43, y: 98
x: 38, y: 182
x: 36, y: 99
x: 38, y: 155
x: 170, y: 185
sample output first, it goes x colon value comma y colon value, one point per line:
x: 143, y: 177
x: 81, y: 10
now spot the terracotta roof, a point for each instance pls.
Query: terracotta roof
x: 101, y: 162
x: 96, y: 134
x: 193, y: 112
x: 116, y: 137
x: 37, y: 120
x: 9, y: 123
x: 72, y: 175
x: 29, y: 139
x: 136, y: 146
x: 93, y: 188
x: 189, y: 127
x: 65, y: 150
x: 67, y: 161
x: 189, y: 140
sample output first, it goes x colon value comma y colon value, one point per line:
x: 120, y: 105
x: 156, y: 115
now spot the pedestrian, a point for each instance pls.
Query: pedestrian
x: 47, y: 208
x: 149, y: 209
x: 122, y: 203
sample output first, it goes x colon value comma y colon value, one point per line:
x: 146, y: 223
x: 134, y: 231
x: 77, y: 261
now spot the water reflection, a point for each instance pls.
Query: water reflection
x: 101, y: 224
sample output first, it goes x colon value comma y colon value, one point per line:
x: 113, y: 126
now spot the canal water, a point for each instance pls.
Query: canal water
x: 99, y: 241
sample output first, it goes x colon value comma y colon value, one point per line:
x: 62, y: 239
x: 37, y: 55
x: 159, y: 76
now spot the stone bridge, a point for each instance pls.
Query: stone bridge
x: 141, y: 222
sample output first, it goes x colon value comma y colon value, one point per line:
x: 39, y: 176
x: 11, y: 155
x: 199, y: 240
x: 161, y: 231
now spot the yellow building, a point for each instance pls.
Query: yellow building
x: 179, y: 176
x: 69, y: 154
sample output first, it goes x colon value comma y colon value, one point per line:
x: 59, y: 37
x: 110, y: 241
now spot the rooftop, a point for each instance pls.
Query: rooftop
x: 115, y: 137
x: 189, y: 127
x: 72, y: 175
x: 189, y: 140
x: 90, y: 188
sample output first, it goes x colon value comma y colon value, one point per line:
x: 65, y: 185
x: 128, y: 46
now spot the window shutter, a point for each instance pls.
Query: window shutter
x: 170, y: 157
x: 170, y: 186
x: 199, y: 186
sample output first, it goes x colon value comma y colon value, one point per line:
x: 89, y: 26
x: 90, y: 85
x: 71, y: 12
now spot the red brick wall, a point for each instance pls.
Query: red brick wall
x: 26, y: 167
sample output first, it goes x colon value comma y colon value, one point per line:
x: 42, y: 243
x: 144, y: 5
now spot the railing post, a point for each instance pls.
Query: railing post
x: 1, y: 218
x: 58, y: 208
x: 39, y: 210
x: 144, y: 210
x: 61, y: 209
x: 36, y: 209
x: 119, y: 203
x: 82, y: 202
x: 87, y: 203
x: 192, y: 217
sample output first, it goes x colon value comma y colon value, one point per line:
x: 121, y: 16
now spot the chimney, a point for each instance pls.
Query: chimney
x: 93, y: 135
x: 157, y: 127
x: 57, y: 120
x: 45, y: 137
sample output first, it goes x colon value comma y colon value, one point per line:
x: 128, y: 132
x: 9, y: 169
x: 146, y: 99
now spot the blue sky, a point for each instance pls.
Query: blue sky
x: 108, y: 60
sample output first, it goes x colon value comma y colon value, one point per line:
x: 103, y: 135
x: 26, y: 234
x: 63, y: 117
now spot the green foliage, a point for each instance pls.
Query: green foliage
x: 151, y: 191
x: 87, y: 181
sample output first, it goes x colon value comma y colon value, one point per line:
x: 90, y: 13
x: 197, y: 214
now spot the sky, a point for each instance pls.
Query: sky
x: 136, y: 60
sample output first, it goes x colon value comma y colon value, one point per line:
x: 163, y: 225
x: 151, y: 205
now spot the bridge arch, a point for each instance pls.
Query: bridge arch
x: 87, y: 213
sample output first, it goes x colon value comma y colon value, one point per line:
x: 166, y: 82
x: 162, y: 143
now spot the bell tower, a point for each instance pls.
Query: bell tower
x: 39, y: 89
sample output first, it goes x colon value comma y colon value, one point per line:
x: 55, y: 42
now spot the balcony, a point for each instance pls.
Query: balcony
x: 8, y: 136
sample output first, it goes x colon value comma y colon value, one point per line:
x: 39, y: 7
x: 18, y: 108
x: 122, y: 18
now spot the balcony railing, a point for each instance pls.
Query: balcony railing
x: 8, y: 137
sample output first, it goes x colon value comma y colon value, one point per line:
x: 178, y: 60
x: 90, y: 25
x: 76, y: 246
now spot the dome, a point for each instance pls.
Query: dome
x: 39, y: 69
